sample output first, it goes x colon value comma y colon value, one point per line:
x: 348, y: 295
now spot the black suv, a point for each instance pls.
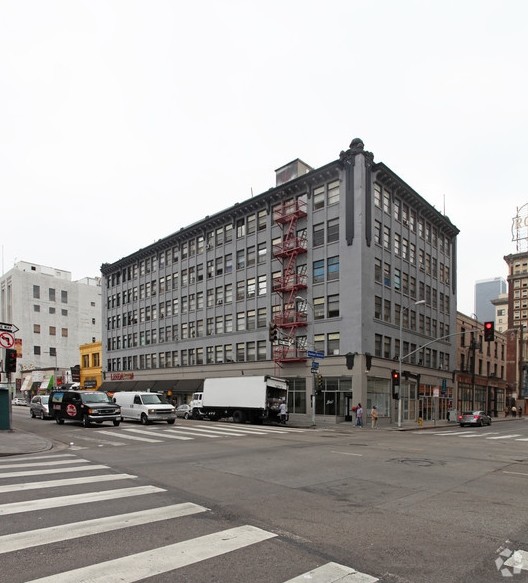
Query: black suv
x: 85, y: 406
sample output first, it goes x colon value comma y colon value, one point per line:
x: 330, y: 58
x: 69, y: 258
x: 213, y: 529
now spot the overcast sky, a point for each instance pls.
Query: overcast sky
x: 123, y: 121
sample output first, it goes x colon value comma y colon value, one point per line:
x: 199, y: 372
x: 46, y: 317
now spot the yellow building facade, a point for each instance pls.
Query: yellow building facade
x: 91, y: 371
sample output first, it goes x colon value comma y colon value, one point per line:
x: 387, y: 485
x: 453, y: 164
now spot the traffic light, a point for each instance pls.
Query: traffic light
x: 395, y: 384
x: 319, y: 384
x: 489, y: 331
x: 273, y: 332
x: 11, y: 360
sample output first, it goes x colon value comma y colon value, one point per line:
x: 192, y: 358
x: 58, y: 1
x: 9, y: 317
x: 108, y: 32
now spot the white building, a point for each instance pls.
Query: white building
x: 54, y: 316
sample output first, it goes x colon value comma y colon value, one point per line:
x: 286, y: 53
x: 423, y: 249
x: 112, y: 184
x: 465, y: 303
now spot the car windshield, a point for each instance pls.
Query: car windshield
x: 151, y: 399
x: 44, y: 400
x: 95, y: 398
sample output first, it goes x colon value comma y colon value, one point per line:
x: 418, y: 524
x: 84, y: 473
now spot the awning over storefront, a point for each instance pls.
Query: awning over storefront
x: 26, y: 384
x: 178, y: 386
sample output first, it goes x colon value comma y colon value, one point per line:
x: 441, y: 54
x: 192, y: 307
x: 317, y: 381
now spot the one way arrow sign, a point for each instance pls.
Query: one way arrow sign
x: 8, y: 327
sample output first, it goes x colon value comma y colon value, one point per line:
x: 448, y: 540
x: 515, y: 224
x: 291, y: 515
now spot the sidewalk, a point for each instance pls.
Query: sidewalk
x: 17, y: 442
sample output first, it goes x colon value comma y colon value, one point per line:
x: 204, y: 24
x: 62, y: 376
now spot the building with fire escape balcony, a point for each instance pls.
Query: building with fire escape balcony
x: 330, y: 280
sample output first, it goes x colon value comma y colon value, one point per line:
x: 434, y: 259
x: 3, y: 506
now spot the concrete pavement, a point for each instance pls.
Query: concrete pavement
x: 17, y: 442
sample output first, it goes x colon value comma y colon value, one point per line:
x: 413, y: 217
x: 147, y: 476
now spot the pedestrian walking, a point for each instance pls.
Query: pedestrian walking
x: 514, y: 411
x: 283, y: 412
x: 359, y: 415
x: 374, y: 417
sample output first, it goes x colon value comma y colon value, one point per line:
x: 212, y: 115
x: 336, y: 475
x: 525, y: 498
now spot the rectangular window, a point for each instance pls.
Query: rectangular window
x: 64, y: 296
x: 36, y: 328
x: 377, y: 270
x: 377, y: 232
x: 64, y: 332
x: 318, y: 197
x: 240, y: 228
x: 241, y: 259
x: 333, y: 268
x: 377, y: 195
x: 318, y: 271
x: 332, y: 230
x: 318, y: 234
x: 36, y: 292
x: 318, y: 308
x: 333, y: 306
x: 333, y: 192
x: 52, y: 330
x: 51, y: 294
x: 36, y: 308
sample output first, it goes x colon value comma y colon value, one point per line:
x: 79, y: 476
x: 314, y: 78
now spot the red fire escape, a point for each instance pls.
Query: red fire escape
x: 286, y: 287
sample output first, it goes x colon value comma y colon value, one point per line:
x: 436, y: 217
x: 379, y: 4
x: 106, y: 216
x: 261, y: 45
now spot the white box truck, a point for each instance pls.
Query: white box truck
x: 244, y: 398
x: 145, y: 407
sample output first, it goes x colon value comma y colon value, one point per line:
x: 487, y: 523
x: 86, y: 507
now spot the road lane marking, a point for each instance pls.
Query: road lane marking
x: 64, y: 482
x: 516, y: 473
x: 162, y: 560
x: 62, y: 532
x: 347, y: 453
x: 333, y: 572
x: 86, y: 498
x: 505, y: 436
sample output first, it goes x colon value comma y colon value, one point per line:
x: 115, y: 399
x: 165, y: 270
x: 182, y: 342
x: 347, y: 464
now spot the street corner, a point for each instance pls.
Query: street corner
x: 15, y: 442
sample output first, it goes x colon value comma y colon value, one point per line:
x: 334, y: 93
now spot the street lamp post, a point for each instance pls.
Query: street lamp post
x: 307, y: 303
x: 400, y: 358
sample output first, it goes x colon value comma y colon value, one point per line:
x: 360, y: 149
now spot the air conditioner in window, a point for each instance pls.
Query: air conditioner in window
x: 219, y: 302
x: 208, y: 246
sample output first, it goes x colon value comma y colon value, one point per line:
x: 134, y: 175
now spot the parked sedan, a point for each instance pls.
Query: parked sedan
x: 39, y: 407
x: 474, y: 418
x: 184, y: 411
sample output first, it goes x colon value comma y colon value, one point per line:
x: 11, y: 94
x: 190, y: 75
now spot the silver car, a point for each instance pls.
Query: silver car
x: 479, y: 418
x: 39, y: 407
x: 184, y: 411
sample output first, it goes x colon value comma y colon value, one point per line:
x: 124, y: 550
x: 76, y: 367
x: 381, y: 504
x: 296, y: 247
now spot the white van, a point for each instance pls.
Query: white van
x: 144, y: 407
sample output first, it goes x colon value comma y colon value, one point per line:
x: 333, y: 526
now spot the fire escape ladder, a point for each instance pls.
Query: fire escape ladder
x: 287, y: 286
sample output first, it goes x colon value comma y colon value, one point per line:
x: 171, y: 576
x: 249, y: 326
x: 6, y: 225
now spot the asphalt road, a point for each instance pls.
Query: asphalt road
x: 440, y: 506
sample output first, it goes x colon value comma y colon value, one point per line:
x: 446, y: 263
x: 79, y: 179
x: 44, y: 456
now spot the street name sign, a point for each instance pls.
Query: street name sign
x: 315, y: 354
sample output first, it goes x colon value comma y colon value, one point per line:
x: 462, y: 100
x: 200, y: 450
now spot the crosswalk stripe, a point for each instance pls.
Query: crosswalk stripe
x: 86, y: 498
x: 145, y: 432
x: 131, y: 437
x: 505, y: 436
x: 246, y: 428
x: 161, y: 560
x: 85, y: 468
x: 53, y: 534
x: 218, y: 432
x: 64, y: 482
x: 522, y: 439
x: 47, y: 464
x: 479, y: 434
x: 37, y: 457
x: 333, y: 572
x: 195, y: 434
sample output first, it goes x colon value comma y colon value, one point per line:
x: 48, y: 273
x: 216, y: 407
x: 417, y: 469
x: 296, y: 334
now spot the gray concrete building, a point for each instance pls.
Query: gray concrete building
x: 54, y: 316
x: 345, y: 262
